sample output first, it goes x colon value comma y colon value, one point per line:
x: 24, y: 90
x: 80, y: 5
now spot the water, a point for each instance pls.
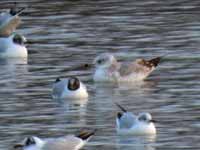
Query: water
x: 66, y: 34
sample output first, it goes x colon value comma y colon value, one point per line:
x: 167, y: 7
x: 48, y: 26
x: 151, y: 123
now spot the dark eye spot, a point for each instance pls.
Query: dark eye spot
x: 99, y: 61
x: 18, y: 40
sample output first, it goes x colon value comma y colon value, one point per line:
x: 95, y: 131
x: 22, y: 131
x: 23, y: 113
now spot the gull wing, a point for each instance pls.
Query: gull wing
x: 64, y: 143
x: 127, y: 120
x: 139, y: 66
x: 8, y: 24
x: 59, y: 87
x: 4, y: 44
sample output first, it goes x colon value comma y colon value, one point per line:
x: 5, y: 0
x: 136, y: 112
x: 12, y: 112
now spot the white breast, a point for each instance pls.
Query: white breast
x: 60, y: 90
x: 10, y: 49
x: 138, y: 129
x: 102, y: 75
x: 77, y: 94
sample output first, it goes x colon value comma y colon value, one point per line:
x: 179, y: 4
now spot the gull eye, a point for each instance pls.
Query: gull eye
x: 99, y: 61
x: 18, y: 39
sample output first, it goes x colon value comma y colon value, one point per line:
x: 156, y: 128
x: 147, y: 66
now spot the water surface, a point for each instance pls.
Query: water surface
x: 66, y: 34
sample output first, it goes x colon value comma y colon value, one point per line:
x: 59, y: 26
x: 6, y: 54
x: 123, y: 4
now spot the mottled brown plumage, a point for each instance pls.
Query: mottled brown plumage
x: 150, y: 63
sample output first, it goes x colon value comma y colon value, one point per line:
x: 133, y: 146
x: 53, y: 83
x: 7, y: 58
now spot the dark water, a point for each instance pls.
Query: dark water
x: 65, y: 34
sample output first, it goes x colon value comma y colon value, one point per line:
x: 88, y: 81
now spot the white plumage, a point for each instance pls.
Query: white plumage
x: 71, y: 88
x: 11, y: 43
x: 128, y: 123
x: 13, y: 46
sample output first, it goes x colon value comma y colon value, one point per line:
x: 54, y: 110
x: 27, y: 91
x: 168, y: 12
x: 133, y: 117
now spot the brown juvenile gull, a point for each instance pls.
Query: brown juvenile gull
x: 108, y: 69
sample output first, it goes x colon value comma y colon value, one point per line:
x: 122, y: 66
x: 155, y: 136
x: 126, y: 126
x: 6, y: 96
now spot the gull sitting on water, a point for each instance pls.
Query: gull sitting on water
x: 69, y: 142
x: 13, y: 46
x: 129, y: 124
x: 69, y: 88
x: 108, y: 69
x: 11, y: 43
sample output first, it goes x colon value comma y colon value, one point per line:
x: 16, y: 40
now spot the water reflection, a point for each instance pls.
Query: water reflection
x: 73, y: 106
x: 71, y: 102
x: 119, y: 90
x: 136, y: 143
x: 13, y: 61
x: 12, y: 70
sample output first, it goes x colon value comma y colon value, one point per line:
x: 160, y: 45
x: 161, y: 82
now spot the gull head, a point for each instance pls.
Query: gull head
x: 146, y: 118
x: 19, y: 39
x: 30, y: 141
x: 105, y: 60
x: 73, y: 83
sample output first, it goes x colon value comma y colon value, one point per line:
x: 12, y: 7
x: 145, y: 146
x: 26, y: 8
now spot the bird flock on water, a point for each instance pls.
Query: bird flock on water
x: 107, y: 70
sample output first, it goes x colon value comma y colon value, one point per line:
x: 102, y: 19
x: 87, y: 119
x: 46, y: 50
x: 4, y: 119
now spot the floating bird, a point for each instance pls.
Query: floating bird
x: 129, y: 124
x: 13, y: 46
x: 69, y: 142
x: 108, y: 69
x: 9, y: 21
x: 69, y: 88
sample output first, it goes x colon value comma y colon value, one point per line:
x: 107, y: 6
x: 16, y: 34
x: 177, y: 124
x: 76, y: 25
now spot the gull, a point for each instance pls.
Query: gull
x: 108, y: 69
x: 69, y: 142
x: 9, y: 21
x: 128, y: 123
x: 71, y: 87
x: 13, y: 46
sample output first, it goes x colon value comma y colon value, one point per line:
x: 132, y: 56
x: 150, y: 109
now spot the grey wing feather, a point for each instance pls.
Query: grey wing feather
x: 136, y: 67
x: 58, y: 88
x: 127, y: 120
x: 3, y: 45
x: 4, y: 17
x: 126, y: 69
x: 64, y: 143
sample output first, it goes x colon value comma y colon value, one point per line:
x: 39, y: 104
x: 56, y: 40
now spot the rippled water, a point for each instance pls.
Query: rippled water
x: 66, y: 34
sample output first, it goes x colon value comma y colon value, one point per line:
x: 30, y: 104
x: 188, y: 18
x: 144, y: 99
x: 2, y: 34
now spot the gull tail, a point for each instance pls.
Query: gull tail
x: 20, y: 11
x: 14, y: 11
x: 85, y: 135
x: 122, y: 108
x: 154, y: 62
